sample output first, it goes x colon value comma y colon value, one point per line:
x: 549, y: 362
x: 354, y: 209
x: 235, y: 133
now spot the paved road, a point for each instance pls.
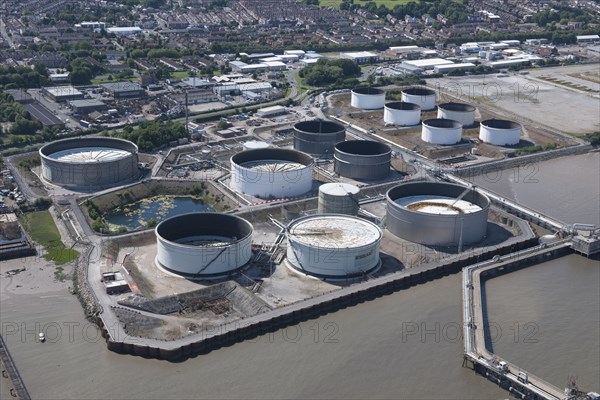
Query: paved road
x: 4, y: 34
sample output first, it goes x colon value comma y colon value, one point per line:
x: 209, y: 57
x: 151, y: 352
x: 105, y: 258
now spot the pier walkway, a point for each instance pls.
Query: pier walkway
x: 519, y: 382
x: 13, y: 374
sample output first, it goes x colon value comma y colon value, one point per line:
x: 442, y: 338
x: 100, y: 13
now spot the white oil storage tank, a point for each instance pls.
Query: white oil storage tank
x: 333, y: 246
x: 338, y: 198
x: 463, y: 113
x: 500, y: 132
x: 441, y: 131
x: 271, y: 173
x: 421, y: 96
x: 367, y: 98
x: 203, y: 245
x: 255, y: 145
x: 401, y: 113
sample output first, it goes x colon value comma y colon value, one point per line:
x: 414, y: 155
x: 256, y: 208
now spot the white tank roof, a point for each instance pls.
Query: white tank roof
x: 255, y: 144
x: 273, y: 165
x: 334, y: 231
x: 338, y: 189
x: 431, y: 204
x: 89, y: 155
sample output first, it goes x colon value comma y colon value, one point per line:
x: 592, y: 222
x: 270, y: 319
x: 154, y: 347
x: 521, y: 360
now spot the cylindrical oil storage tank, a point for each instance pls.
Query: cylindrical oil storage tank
x: 203, y: 245
x: 367, y: 98
x: 338, y: 198
x: 423, y: 97
x: 463, y: 113
x: 434, y: 213
x: 401, y: 113
x: 500, y: 132
x: 271, y: 173
x: 441, y: 131
x: 333, y: 246
x: 317, y: 137
x: 255, y: 145
x: 362, y: 159
x: 93, y: 162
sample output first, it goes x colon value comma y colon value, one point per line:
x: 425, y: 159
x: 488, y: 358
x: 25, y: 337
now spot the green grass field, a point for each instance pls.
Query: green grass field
x: 42, y: 230
x: 388, y: 3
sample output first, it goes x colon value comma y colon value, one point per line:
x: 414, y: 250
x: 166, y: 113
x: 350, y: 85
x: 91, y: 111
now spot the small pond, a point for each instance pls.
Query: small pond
x: 135, y: 215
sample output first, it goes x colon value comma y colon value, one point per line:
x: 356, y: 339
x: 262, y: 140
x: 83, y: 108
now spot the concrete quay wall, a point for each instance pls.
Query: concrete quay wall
x: 273, y: 320
x: 475, y: 170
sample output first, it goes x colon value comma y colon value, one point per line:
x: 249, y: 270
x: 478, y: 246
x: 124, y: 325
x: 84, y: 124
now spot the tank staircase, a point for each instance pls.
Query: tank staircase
x: 509, y: 376
x: 11, y: 372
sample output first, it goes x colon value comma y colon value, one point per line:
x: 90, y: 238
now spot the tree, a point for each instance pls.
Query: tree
x: 24, y: 126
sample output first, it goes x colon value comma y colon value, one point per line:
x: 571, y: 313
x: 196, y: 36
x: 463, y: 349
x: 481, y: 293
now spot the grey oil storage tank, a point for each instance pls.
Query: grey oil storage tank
x: 317, y: 137
x: 437, y: 214
x: 94, y: 162
x: 338, y: 198
x: 363, y: 160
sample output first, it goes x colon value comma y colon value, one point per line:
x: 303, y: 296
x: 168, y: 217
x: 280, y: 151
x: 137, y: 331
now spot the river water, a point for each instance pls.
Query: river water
x: 566, y: 188
x: 401, y: 346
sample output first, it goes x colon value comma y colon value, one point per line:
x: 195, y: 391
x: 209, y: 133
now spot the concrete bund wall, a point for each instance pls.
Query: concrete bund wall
x: 492, y: 166
x: 263, y: 323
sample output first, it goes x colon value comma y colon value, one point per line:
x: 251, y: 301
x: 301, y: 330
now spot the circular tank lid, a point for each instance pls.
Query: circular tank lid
x: 419, y: 91
x: 442, y: 123
x: 403, y: 105
x: 432, y: 204
x: 256, y: 144
x: 368, y: 91
x: 334, y: 231
x: 457, y: 107
x: 273, y: 165
x: 89, y: 155
x: 339, y: 189
x: 500, y: 124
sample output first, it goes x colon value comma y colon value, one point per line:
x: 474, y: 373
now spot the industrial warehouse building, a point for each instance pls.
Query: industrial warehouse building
x: 234, y: 89
x: 62, y: 93
x: 444, y: 69
x: 125, y: 89
x: 83, y: 107
x: 272, y: 111
x: 361, y: 57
